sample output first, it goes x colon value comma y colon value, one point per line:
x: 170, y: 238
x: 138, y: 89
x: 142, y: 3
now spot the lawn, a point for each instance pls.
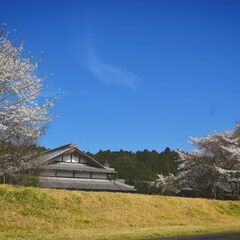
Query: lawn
x: 34, y: 213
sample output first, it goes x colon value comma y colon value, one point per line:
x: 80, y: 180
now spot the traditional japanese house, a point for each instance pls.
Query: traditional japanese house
x: 69, y: 168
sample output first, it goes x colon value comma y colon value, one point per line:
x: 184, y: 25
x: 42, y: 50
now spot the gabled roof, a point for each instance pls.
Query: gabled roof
x: 49, y: 154
x: 88, y: 184
x: 46, y: 156
x: 79, y: 167
x: 88, y: 157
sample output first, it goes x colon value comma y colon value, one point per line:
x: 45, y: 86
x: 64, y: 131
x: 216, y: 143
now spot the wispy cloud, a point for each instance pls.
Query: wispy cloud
x: 109, y: 74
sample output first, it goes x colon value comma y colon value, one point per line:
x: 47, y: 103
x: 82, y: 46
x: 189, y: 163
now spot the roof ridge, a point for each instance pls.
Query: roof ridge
x: 69, y: 145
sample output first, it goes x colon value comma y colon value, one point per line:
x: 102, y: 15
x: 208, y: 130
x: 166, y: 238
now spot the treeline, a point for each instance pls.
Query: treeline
x: 141, y: 165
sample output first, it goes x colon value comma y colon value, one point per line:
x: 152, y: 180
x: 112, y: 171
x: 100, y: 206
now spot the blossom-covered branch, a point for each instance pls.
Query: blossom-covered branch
x: 22, y: 118
x: 212, y: 170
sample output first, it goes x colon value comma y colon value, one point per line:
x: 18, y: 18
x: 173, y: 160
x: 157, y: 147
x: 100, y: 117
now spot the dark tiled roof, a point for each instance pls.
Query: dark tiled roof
x: 46, y: 156
x: 75, y: 167
x: 89, y: 184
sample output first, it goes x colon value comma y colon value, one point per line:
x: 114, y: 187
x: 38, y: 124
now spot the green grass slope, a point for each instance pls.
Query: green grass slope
x: 33, y: 213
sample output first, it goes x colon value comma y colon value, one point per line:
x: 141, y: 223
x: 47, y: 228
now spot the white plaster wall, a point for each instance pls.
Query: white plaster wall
x: 82, y: 175
x: 75, y: 159
x: 82, y: 160
x: 48, y: 173
x: 99, y: 175
x: 67, y: 158
x: 64, y: 174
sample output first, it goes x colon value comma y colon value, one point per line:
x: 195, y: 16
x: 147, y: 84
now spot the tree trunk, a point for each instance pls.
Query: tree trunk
x: 4, y: 178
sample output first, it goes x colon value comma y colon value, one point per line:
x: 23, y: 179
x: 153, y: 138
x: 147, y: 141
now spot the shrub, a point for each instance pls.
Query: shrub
x: 28, y: 180
x: 147, y: 187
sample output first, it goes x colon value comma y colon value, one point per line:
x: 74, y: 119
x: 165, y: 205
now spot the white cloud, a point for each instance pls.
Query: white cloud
x: 110, y: 74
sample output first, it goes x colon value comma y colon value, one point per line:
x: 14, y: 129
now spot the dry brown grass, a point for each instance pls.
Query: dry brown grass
x: 32, y: 213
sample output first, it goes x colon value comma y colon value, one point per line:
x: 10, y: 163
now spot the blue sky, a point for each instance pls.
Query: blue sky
x: 133, y: 74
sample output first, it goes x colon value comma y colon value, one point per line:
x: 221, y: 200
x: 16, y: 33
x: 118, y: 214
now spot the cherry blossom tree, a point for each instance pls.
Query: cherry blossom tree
x: 22, y: 118
x: 212, y: 170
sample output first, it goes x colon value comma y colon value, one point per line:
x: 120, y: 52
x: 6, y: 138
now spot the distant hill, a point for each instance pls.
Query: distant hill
x: 140, y: 165
x: 34, y: 213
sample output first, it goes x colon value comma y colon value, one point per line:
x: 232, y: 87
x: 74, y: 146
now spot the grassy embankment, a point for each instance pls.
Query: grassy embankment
x: 32, y: 213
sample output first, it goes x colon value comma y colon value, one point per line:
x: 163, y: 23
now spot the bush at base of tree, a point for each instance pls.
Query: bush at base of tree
x: 145, y: 187
x: 28, y: 180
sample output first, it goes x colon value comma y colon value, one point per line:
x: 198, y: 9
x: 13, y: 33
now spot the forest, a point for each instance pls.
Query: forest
x: 141, y: 165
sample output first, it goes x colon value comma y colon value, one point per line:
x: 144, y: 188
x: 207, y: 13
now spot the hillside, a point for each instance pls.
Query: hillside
x: 140, y: 165
x: 32, y: 213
